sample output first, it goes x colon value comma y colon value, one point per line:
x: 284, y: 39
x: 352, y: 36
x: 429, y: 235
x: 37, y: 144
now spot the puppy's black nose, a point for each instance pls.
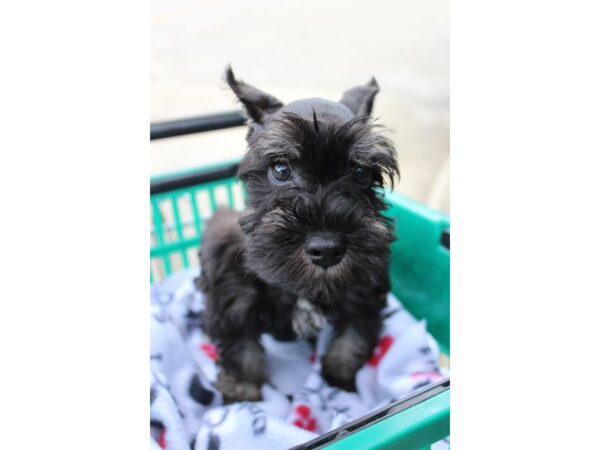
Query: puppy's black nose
x: 325, y: 250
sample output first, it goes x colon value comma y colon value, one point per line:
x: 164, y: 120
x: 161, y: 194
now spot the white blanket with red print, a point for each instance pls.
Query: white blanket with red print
x: 186, y: 411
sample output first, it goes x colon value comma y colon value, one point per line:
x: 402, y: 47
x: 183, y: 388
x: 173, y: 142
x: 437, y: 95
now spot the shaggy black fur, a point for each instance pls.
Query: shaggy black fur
x: 258, y: 272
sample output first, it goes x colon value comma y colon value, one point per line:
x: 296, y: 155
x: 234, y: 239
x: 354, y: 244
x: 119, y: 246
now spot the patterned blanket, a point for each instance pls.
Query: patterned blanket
x: 187, y: 412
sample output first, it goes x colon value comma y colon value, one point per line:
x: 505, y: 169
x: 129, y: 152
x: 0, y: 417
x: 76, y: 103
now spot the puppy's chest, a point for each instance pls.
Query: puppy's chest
x: 307, y: 319
x: 290, y: 318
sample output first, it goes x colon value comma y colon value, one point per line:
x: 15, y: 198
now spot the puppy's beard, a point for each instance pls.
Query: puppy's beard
x: 276, y: 253
x: 293, y: 271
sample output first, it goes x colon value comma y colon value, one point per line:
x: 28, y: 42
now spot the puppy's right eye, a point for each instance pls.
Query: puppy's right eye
x: 280, y: 173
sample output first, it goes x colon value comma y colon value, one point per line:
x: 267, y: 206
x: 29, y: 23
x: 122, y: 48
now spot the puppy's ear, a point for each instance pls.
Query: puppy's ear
x: 257, y: 103
x: 359, y: 99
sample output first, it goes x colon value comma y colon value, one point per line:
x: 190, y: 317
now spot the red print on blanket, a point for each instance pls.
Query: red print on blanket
x: 305, y: 419
x: 162, y: 438
x: 422, y: 376
x: 209, y: 350
x: 382, y: 347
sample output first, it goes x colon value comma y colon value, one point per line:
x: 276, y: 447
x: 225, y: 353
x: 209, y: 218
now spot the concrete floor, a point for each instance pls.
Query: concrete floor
x: 294, y: 49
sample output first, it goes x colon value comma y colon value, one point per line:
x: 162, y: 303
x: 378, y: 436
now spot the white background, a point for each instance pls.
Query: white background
x: 74, y: 171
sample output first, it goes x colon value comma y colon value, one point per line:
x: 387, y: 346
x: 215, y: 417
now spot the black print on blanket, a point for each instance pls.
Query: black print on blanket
x: 298, y: 405
x: 199, y: 392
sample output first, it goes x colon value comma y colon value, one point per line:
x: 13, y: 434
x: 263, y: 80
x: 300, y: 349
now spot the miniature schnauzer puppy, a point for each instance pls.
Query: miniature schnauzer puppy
x: 311, y: 245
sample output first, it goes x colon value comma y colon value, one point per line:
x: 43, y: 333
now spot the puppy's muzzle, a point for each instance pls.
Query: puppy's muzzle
x: 325, y: 249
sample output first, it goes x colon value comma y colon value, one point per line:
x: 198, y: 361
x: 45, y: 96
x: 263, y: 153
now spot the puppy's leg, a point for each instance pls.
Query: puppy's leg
x: 355, y: 337
x: 241, y: 357
x: 243, y: 369
x: 231, y: 317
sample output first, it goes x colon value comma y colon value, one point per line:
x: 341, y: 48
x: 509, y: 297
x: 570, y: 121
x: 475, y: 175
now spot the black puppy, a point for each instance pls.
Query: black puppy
x: 311, y: 245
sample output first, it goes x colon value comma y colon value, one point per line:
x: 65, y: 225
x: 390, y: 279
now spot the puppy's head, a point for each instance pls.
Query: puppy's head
x: 313, y: 174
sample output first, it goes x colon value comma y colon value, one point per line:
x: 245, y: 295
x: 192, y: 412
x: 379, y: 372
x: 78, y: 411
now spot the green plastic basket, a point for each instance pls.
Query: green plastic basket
x: 419, y: 271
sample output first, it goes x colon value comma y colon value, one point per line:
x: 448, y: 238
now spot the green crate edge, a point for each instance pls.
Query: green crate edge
x: 415, y: 428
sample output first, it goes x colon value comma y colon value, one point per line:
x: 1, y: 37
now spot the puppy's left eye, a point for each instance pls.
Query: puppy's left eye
x: 280, y: 173
x: 361, y: 176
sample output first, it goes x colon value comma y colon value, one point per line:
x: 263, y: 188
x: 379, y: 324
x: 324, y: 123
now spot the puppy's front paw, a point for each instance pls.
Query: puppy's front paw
x: 307, y: 319
x: 346, y: 354
x: 234, y: 390
x: 338, y: 371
